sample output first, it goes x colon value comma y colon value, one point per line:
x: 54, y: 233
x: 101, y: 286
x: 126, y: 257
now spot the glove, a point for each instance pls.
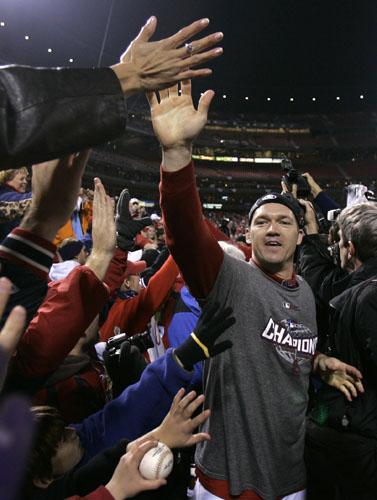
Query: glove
x: 201, y: 343
x: 150, y: 271
x: 126, y: 227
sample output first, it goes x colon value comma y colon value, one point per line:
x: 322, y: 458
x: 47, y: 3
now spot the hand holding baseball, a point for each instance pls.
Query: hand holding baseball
x: 127, y: 480
x: 177, y: 428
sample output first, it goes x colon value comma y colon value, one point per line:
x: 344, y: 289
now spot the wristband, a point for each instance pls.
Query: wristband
x: 200, y: 344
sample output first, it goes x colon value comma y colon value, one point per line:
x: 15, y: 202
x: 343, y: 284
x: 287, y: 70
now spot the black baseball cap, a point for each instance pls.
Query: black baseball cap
x: 282, y: 199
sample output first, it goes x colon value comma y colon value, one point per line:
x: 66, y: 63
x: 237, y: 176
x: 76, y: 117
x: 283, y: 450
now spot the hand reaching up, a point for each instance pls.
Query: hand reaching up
x: 150, y: 65
x: 55, y: 187
x: 177, y: 428
x: 176, y: 122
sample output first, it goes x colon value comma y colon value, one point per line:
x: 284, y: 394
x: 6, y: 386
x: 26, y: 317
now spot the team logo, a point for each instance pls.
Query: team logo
x: 288, y: 305
x: 293, y: 341
x: 269, y: 197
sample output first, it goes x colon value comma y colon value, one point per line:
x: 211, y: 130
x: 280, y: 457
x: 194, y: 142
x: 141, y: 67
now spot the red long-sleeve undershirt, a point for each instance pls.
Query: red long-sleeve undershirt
x: 194, y: 248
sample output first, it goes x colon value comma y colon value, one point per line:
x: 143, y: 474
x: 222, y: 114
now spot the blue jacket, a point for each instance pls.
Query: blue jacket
x: 139, y: 409
x: 184, y: 320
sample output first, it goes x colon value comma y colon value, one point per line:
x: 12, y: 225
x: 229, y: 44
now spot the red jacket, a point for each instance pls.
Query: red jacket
x: 132, y: 315
x: 70, y: 306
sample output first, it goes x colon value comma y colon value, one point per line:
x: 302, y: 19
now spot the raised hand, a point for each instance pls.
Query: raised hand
x: 127, y: 227
x: 314, y: 187
x: 201, y: 343
x: 176, y: 430
x: 175, y: 120
x: 55, y: 187
x: 311, y: 223
x: 103, y: 231
x: 149, y: 65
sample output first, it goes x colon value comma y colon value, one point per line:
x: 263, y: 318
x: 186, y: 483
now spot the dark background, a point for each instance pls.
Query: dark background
x: 272, y: 48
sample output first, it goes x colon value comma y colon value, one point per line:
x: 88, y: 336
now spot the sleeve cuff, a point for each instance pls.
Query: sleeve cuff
x: 175, y: 182
x: 28, y: 250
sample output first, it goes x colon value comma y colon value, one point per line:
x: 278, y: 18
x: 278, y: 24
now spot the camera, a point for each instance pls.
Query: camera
x: 124, y: 359
x: 371, y: 196
x: 292, y: 176
x: 142, y: 341
x: 332, y: 215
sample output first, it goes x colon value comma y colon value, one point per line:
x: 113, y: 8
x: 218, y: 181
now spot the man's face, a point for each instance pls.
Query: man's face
x: 68, y: 454
x: 274, y: 234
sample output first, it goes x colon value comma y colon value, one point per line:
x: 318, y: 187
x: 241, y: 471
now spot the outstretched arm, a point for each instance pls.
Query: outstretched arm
x: 41, y: 109
x: 177, y: 123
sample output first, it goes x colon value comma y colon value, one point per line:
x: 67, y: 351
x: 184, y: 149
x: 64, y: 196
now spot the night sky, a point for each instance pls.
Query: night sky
x: 275, y: 48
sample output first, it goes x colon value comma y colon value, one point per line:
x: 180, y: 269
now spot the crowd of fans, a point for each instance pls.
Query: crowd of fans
x: 115, y: 318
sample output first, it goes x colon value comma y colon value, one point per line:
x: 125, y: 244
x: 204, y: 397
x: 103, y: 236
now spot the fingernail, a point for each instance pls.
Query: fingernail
x: 150, y: 20
x: 204, y: 21
x: 219, y: 50
x: 219, y: 35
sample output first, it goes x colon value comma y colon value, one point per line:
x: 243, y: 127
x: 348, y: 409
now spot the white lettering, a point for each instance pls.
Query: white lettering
x: 278, y: 333
x: 269, y: 330
x: 287, y: 340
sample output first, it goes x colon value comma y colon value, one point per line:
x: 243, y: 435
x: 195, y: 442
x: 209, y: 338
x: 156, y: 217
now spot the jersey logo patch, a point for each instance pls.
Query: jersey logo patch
x: 293, y: 341
x: 288, y: 305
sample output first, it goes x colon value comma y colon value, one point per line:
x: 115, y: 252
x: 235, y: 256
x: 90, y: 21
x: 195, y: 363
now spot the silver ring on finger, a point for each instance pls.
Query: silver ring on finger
x: 189, y: 48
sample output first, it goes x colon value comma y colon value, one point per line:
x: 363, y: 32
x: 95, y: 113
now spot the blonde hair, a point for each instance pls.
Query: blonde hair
x: 8, y: 175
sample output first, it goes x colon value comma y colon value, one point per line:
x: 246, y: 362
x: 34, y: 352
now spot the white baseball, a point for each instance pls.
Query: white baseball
x: 157, y: 463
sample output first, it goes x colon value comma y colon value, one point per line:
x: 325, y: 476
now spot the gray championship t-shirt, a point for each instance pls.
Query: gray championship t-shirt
x: 258, y: 390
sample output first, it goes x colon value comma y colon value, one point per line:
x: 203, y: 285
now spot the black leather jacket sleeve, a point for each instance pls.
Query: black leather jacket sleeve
x: 46, y: 113
x: 319, y: 270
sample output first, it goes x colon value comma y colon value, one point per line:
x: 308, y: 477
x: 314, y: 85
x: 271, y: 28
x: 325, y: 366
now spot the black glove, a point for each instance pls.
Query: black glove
x: 201, y: 343
x: 147, y: 274
x: 124, y: 366
x: 126, y: 227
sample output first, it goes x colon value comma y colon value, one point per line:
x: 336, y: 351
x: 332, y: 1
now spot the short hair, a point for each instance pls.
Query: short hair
x: 8, y: 175
x: 359, y: 225
x: 50, y: 428
x: 232, y: 250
